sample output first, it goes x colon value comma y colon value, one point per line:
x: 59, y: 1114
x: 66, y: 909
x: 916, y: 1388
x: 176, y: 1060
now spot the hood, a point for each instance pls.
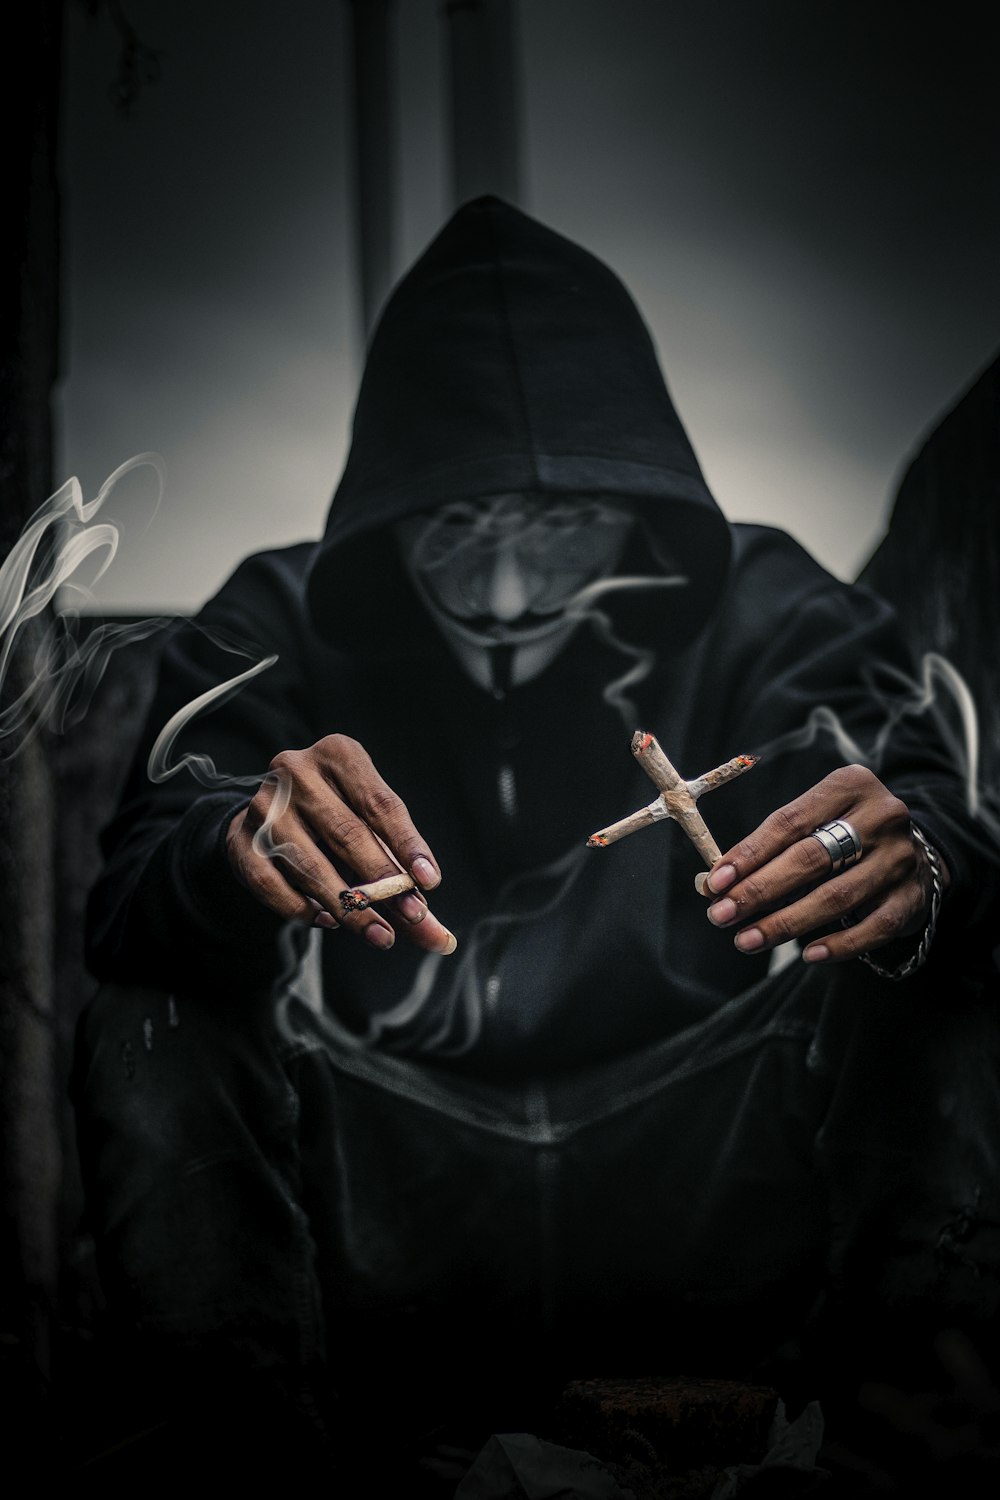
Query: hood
x: 509, y: 360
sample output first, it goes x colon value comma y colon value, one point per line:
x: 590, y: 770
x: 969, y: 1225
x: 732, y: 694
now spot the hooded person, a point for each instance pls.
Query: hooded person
x: 538, y: 1108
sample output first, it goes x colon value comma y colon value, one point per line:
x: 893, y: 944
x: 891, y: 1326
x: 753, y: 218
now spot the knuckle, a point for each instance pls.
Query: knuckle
x: 777, y: 929
x: 904, y: 863
x: 885, y: 923
x: 257, y: 808
x: 305, y: 865
x: 749, y: 852
x: 381, y: 802
x: 849, y: 941
x: 856, y: 778
x: 342, y: 831
x: 896, y: 810
x: 286, y: 762
x: 833, y: 900
x: 789, y: 822
x: 338, y: 747
x: 752, y: 892
x: 345, y: 833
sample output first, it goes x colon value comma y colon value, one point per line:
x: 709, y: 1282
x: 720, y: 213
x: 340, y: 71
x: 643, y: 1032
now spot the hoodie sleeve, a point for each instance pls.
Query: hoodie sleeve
x: 167, y: 908
x: 833, y: 684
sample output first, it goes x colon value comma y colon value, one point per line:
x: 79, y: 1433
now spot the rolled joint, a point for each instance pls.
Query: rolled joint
x: 360, y: 897
x: 649, y: 753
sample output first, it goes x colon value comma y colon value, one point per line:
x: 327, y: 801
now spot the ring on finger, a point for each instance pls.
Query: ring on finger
x: 842, y: 843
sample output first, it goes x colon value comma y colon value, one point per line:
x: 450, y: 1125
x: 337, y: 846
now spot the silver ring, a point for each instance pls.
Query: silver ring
x: 841, y: 842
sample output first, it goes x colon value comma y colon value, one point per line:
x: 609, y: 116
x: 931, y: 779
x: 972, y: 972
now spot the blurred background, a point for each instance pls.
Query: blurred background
x: 799, y: 196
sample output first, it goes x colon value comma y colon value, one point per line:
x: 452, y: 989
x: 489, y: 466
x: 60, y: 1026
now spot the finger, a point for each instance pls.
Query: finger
x: 410, y: 912
x: 411, y: 908
x: 844, y: 793
x: 330, y: 820
x: 320, y: 917
x: 803, y: 865
x: 288, y: 850
x: 336, y: 825
x: 429, y: 934
x: 883, y: 925
x: 321, y: 817
x: 823, y: 906
x: 884, y: 859
x: 378, y: 806
x: 281, y: 892
x: 270, y: 887
x: 311, y: 870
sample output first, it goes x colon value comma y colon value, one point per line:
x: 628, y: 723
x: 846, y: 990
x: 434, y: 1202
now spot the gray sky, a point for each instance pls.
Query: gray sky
x: 801, y: 197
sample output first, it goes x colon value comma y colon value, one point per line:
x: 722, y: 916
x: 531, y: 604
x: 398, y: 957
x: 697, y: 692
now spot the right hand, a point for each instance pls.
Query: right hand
x: 331, y: 811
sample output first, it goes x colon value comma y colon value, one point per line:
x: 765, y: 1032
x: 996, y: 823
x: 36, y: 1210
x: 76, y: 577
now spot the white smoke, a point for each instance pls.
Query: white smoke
x: 159, y: 766
x: 581, y: 607
x: 941, y: 692
x: 58, y: 539
x: 65, y: 670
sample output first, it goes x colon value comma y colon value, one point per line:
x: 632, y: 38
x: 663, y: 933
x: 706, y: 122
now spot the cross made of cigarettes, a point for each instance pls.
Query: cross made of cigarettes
x: 678, y: 799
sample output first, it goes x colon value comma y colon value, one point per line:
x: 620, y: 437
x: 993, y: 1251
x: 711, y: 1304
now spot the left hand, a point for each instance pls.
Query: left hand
x: 776, y: 883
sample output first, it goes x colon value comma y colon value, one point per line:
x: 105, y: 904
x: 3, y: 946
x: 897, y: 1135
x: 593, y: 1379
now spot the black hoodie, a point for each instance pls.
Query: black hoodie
x: 509, y: 360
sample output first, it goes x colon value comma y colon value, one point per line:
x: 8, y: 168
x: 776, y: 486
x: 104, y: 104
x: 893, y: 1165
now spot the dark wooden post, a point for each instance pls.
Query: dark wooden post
x: 29, y: 1178
x: 482, y: 54
x: 374, y: 152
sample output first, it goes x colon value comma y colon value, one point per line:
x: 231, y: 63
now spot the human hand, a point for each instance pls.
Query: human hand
x: 322, y: 810
x: 776, y: 884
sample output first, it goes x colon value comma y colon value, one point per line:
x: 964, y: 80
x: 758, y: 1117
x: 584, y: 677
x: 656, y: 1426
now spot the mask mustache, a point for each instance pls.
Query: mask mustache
x: 489, y: 625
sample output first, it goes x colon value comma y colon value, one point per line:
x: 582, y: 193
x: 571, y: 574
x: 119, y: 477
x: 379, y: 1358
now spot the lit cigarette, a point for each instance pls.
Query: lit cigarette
x: 360, y: 897
x: 677, y: 799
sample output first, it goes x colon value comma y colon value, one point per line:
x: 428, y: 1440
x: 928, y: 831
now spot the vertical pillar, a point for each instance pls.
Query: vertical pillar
x: 30, y: 1151
x: 484, y: 114
x: 374, y: 152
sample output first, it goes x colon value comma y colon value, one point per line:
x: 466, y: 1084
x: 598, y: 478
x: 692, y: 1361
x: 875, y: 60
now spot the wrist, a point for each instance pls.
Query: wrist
x: 938, y: 877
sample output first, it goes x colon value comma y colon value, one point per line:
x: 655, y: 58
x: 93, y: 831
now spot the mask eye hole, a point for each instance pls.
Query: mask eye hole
x: 556, y: 547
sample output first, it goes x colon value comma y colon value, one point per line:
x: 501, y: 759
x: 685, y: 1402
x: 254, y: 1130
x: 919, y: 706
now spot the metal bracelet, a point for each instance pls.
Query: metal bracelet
x: 917, y: 960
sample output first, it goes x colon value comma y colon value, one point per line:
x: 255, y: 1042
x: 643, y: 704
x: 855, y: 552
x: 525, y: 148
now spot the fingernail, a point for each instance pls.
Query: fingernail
x: 816, y: 953
x: 450, y: 945
x: 324, y: 919
x: 721, y: 878
x: 721, y: 912
x: 378, y: 936
x: 749, y: 941
x: 424, y: 873
x: 411, y: 908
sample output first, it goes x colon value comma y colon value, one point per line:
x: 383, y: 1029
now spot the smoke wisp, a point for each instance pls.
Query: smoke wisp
x: 65, y: 670
x: 940, y: 692
x: 68, y: 660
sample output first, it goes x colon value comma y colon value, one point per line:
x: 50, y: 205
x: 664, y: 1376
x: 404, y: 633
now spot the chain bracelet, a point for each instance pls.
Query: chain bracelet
x: 915, y: 962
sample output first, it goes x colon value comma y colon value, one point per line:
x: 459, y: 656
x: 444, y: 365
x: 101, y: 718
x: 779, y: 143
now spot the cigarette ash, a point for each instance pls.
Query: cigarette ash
x: 354, y: 901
